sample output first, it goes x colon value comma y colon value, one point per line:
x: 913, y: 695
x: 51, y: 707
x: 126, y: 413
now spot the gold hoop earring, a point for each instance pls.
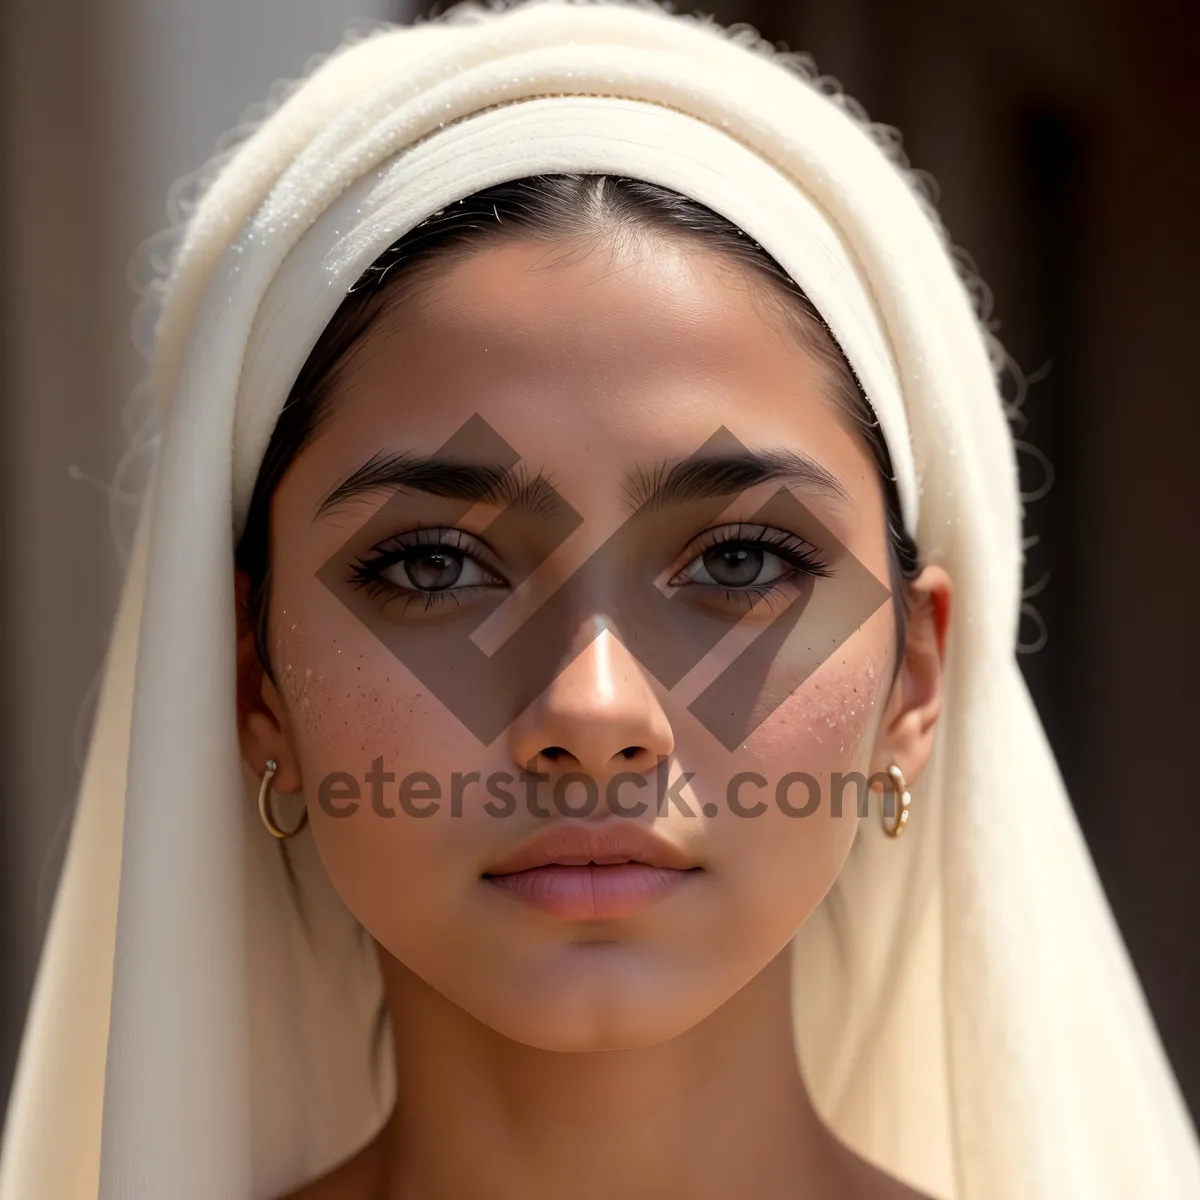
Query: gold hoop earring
x: 900, y: 791
x: 264, y: 793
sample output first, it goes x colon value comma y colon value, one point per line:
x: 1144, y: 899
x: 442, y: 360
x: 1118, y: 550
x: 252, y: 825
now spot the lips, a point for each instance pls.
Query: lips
x: 593, y: 873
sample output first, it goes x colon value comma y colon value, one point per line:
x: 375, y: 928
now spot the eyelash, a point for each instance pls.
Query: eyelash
x: 368, y: 572
x: 802, y: 556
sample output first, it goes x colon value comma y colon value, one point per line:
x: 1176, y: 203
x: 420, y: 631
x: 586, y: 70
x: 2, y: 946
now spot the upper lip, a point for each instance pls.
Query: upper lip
x: 574, y: 845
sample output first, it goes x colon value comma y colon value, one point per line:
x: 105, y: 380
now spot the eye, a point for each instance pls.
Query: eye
x: 432, y: 563
x: 434, y: 569
x: 736, y: 565
x: 754, y: 558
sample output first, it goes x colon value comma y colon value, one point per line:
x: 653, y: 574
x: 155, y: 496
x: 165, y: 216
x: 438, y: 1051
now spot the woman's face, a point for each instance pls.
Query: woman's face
x: 556, y: 497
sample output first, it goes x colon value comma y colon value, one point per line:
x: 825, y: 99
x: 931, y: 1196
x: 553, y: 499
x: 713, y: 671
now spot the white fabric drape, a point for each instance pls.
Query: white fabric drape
x: 967, y: 1015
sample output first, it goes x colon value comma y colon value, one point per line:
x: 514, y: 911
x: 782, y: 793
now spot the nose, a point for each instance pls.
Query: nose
x: 599, y: 716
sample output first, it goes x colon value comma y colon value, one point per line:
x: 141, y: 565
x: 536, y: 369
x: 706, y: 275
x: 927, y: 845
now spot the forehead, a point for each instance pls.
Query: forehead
x: 588, y: 359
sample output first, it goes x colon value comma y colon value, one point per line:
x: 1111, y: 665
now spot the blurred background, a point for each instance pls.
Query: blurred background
x: 1061, y: 134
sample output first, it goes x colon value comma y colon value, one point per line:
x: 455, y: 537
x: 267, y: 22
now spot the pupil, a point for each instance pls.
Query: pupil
x: 733, y: 566
x: 431, y: 570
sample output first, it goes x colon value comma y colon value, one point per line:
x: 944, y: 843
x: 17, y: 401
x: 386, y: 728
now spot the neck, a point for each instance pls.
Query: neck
x: 718, y: 1111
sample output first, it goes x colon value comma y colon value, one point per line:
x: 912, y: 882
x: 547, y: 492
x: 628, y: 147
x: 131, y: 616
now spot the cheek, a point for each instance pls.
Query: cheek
x: 349, y: 700
x: 803, y: 775
x: 362, y: 724
x: 831, y: 720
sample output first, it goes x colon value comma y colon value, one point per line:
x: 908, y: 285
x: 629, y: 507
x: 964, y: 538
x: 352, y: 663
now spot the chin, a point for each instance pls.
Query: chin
x: 604, y: 1031
x: 596, y: 1003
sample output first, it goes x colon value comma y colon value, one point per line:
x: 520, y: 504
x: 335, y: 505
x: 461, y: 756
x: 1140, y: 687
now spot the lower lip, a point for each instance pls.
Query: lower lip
x: 593, y: 892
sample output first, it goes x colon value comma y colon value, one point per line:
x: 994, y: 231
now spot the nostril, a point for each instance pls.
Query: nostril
x: 557, y: 754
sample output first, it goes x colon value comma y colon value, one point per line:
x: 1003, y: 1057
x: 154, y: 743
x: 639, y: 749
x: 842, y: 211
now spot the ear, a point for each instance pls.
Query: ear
x: 264, y: 731
x: 910, y: 717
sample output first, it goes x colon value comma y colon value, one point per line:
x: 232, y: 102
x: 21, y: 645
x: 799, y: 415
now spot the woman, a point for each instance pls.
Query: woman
x: 582, y: 472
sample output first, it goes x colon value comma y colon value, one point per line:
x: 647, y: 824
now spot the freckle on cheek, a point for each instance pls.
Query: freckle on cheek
x: 349, y: 706
x: 831, y: 712
x: 307, y: 681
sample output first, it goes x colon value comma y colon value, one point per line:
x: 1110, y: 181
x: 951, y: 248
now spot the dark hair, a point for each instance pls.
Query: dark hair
x: 591, y: 208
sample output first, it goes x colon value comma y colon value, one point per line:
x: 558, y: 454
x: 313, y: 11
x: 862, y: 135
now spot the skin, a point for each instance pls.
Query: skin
x: 650, y: 1055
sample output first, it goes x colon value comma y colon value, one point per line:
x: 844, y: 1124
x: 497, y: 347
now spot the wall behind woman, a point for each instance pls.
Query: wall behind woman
x: 1062, y: 139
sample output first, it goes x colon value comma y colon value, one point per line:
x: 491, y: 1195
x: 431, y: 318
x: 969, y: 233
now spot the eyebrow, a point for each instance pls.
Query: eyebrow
x: 476, y: 483
x: 647, y: 489
x: 726, y: 475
